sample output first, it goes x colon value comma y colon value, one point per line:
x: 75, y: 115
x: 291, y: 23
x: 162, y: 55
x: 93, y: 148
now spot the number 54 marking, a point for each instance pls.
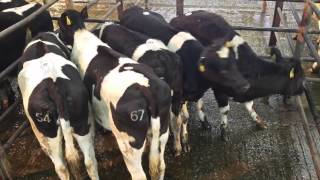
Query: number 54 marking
x: 137, y: 115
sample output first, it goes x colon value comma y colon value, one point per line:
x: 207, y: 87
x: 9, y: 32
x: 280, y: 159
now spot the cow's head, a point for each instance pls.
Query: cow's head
x: 292, y: 75
x: 69, y: 22
x: 218, y: 64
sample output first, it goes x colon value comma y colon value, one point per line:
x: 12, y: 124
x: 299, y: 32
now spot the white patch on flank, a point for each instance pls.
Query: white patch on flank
x: 234, y: 43
x: 85, y: 48
x: 149, y: 45
x: 103, y: 26
x: 224, y: 117
x: 20, y: 10
x: 178, y: 40
x: 112, y: 90
x: 146, y: 13
x: 188, y: 13
x: 101, y: 112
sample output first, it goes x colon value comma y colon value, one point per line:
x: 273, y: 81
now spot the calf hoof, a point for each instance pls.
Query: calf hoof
x: 261, y: 124
x: 177, y: 153
x: 186, y: 147
x: 223, y: 134
x: 205, y: 125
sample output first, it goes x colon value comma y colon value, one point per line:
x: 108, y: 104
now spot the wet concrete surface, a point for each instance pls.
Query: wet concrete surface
x: 280, y: 152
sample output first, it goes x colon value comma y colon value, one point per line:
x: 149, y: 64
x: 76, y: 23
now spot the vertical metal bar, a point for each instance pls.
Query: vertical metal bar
x: 275, y: 22
x: 4, y: 169
x: 146, y: 4
x: 120, y: 8
x: 69, y: 4
x: 303, y: 26
x: 179, y: 7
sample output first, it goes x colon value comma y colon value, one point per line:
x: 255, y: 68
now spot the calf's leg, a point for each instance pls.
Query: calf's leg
x: 184, y: 131
x: 255, y: 117
x: 224, y: 109
x: 175, y: 125
x: 203, y: 118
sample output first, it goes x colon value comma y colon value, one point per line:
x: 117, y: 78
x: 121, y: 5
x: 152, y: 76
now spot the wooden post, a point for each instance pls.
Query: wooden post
x: 275, y: 23
x: 69, y: 4
x: 120, y: 8
x: 146, y: 4
x: 179, y: 7
x: 303, y: 27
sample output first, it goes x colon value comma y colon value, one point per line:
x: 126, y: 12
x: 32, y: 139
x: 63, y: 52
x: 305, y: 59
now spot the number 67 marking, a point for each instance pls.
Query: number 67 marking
x: 137, y: 115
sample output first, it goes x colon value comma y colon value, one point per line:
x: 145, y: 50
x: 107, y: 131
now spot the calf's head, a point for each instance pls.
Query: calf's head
x: 292, y: 76
x: 218, y: 64
x: 69, y: 22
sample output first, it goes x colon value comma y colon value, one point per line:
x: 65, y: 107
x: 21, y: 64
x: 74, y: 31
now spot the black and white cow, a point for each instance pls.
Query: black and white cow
x: 11, y: 12
x: 57, y: 105
x: 152, y: 52
x: 265, y: 78
x: 128, y: 97
x: 190, y: 50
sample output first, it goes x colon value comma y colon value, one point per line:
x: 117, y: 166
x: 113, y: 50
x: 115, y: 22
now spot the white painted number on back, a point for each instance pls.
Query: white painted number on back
x: 137, y: 115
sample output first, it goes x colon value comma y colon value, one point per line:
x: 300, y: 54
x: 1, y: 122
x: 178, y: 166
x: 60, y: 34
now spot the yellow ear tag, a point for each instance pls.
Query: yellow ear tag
x: 291, y: 75
x: 68, y: 21
x: 202, y: 68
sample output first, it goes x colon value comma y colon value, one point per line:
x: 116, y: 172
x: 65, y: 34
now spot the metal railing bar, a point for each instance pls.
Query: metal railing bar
x: 285, y: 23
x: 9, y: 110
x: 15, y: 135
x: 26, y: 20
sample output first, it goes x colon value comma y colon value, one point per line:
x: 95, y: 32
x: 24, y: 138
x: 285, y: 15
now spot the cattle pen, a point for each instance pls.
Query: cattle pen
x: 289, y: 149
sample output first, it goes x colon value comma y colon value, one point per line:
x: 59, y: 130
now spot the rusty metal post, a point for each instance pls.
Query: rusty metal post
x: 4, y: 169
x: 69, y: 4
x: 179, y: 7
x: 146, y: 4
x: 303, y: 26
x: 275, y: 22
x: 120, y: 8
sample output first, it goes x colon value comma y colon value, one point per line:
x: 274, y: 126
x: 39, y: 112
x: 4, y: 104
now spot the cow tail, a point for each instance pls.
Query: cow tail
x: 71, y: 152
x: 154, y: 155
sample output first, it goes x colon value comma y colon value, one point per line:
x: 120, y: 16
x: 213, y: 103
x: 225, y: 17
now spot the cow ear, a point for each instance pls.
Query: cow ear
x: 84, y: 13
x: 291, y: 73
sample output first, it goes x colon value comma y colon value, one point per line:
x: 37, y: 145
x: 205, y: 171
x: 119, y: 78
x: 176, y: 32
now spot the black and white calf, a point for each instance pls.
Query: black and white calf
x: 57, y: 105
x: 265, y: 77
x: 152, y: 52
x: 134, y: 102
x: 226, y: 75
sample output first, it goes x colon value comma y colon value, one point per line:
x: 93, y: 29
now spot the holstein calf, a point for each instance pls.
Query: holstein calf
x: 57, y: 105
x: 226, y: 75
x: 152, y: 52
x: 134, y: 102
x: 265, y: 77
